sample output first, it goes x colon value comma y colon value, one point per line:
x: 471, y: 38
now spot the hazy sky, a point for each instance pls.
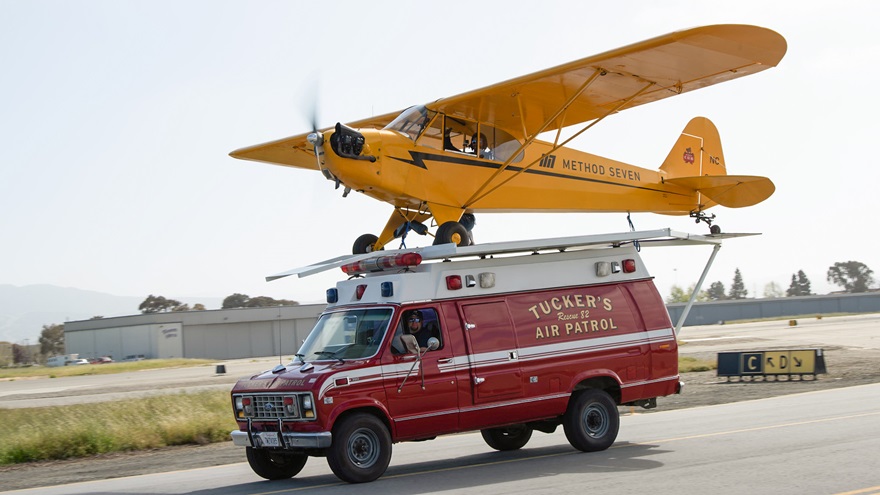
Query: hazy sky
x: 117, y: 117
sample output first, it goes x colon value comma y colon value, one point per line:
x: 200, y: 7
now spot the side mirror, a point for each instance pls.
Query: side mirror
x: 433, y: 344
x: 410, y: 343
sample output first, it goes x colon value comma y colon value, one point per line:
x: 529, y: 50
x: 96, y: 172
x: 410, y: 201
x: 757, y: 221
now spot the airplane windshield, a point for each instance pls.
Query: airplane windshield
x: 412, y: 121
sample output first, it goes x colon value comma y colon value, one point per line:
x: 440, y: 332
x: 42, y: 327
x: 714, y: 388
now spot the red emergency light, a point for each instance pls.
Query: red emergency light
x: 381, y: 263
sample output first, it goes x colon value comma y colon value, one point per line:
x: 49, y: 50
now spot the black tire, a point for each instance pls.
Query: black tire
x: 715, y: 229
x: 453, y: 232
x: 275, y: 465
x: 361, y: 449
x: 364, y: 244
x: 591, y: 421
x: 510, y: 438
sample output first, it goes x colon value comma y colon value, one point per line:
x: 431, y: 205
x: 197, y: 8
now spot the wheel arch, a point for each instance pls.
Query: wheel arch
x: 607, y: 381
x: 373, y: 409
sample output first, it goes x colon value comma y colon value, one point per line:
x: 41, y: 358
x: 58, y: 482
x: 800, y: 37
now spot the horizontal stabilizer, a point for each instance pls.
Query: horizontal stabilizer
x: 732, y: 191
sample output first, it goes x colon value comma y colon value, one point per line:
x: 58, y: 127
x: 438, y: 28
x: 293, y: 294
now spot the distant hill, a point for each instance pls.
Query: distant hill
x: 24, y: 310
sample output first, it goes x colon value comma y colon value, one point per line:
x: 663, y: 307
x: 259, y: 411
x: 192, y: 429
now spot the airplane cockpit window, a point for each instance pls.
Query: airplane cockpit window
x: 412, y: 121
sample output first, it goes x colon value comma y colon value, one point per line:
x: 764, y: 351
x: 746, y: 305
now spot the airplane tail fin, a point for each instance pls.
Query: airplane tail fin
x: 696, y: 162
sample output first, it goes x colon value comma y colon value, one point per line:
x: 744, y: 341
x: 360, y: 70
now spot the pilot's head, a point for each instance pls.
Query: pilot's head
x: 481, y: 139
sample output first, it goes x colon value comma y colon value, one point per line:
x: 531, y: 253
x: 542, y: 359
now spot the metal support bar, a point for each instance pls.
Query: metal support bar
x: 699, y: 285
x: 529, y: 139
x: 478, y: 196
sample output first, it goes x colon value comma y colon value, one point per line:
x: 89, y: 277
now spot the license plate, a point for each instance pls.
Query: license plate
x: 269, y: 439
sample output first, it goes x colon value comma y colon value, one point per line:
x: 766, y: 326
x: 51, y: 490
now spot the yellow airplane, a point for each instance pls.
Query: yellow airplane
x: 479, y: 152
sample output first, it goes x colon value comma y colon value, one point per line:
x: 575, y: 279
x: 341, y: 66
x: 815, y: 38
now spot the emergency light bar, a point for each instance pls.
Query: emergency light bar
x: 382, y: 263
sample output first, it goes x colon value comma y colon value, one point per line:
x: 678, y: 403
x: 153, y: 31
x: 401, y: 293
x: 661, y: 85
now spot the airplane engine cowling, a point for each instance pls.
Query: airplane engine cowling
x: 347, y: 142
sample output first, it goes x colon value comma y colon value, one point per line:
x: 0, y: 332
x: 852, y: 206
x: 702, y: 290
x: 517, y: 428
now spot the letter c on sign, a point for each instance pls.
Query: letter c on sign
x: 752, y: 365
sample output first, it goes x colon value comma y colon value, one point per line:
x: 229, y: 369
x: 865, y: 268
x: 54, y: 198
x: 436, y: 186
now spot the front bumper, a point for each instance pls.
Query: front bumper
x: 291, y: 440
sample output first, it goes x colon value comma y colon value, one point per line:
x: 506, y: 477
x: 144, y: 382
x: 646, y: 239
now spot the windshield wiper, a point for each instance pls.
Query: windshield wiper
x: 302, y: 357
x: 332, y: 354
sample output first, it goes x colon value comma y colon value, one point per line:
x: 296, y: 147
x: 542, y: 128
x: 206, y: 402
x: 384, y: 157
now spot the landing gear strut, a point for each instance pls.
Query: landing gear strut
x: 702, y: 217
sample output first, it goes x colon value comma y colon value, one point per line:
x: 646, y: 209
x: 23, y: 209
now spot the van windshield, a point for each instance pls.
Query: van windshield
x: 352, y: 334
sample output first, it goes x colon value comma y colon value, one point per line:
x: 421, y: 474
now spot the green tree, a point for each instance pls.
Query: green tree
x: 19, y: 354
x: 679, y: 295
x: 853, y: 276
x: 716, y: 291
x: 52, y: 340
x: 157, y: 304
x: 738, y: 288
x: 245, y: 301
x: 235, y: 301
x: 800, y: 285
x: 772, y: 289
x: 198, y: 307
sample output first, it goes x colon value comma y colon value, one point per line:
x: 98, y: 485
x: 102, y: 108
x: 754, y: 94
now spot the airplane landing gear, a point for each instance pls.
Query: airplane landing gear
x: 459, y: 233
x: 453, y: 232
x: 364, y: 244
x: 702, y: 217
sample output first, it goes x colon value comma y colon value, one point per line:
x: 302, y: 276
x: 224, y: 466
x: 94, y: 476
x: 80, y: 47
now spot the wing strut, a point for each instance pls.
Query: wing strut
x: 598, y: 72
x: 478, y: 196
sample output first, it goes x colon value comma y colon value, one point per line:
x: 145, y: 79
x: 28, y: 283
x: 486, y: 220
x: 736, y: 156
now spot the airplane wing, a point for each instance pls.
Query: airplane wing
x: 623, y: 78
x: 732, y: 191
x: 295, y: 151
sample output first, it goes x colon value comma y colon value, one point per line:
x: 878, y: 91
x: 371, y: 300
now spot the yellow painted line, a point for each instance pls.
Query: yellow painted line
x: 761, y: 428
x: 873, y: 489
x: 621, y: 446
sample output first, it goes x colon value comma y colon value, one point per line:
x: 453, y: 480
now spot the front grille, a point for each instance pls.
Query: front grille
x: 270, y: 406
x: 296, y: 406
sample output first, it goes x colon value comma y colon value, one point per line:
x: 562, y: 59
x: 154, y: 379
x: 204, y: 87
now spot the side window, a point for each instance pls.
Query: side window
x: 457, y: 133
x: 433, y: 135
x: 423, y: 323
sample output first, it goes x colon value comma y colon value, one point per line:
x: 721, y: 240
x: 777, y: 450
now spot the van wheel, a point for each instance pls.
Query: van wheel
x: 273, y: 465
x: 361, y: 449
x: 591, y: 421
x: 510, y: 438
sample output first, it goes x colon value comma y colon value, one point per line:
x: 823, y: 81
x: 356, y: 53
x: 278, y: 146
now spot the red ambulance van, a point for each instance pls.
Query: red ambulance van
x: 502, y: 338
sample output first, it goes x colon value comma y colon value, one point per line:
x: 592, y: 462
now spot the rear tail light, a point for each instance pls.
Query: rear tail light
x: 629, y: 266
x: 453, y: 282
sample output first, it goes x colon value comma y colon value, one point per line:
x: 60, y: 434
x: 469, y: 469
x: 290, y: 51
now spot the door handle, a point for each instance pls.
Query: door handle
x: 444, y: 360
x: 478, y: 380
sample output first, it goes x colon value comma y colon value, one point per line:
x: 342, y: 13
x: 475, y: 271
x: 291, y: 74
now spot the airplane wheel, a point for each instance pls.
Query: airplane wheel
x: 715, y: 229
x: 453, y: 232
x: 364, y: 244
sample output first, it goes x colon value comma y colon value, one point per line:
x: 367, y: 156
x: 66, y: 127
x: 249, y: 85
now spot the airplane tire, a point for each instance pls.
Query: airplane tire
x: 364, y: 244
x: 715, y: 229
x: 453, y: 232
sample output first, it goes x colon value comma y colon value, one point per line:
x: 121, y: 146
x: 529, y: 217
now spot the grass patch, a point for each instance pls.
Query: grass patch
x: 81, y: 430
x: 62, y: 432
x: 100, y: 369
x: 688, y: 364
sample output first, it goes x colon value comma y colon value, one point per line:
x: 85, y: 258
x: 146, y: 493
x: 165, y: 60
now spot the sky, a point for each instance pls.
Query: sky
x: 117, y: 117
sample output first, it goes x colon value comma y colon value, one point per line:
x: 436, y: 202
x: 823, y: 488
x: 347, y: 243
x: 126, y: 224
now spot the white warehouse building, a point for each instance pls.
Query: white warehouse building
x: 213, y: 334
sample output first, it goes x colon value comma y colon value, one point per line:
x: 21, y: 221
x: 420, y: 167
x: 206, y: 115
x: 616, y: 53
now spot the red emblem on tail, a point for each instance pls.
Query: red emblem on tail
x: 689, y: 156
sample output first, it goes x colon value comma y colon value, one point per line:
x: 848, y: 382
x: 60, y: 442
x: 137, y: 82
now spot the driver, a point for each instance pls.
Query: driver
x: 414, y: 327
